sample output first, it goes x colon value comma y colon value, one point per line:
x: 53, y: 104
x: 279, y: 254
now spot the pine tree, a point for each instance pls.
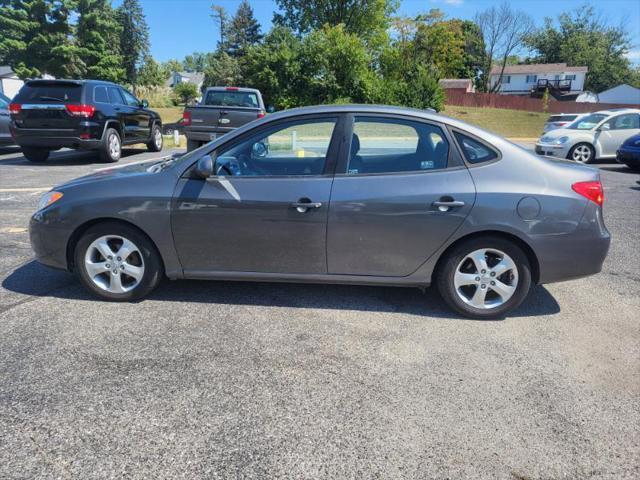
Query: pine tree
x: 243, y: 31
x: 98, y: 41
x: 220, y: 16
x: 134, y: 39
x: 36, y: 38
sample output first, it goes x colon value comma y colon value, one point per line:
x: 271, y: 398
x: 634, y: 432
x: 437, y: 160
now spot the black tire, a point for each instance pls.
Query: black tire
x: 444, y: 277
x: 108, y: 154
x: 156, y: 136
x: 148, y: 258
x: 573, y: 153
x: 192, y: 145
x: 35, y: 155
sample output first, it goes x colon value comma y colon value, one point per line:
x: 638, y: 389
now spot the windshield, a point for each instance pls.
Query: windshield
x: 49, y: 92
x: 588, y: 122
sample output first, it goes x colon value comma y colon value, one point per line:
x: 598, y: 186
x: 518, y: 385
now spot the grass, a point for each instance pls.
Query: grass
x: 508, y: 123
x: 170, y: 114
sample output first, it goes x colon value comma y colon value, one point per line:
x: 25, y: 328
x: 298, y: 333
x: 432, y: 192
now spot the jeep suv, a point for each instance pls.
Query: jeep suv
x: 81, y: 114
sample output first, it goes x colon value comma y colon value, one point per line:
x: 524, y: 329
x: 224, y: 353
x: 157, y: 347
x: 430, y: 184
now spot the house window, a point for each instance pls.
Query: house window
x: 569, y: 77
x: 532, y: 78
x: 505, y: 79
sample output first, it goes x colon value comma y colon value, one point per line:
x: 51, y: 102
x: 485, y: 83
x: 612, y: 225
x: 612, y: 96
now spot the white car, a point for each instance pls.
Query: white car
x: 597, y: 135
x: 561, y: 120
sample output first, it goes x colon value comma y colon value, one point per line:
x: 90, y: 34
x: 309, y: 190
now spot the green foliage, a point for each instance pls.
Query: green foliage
x: 196, y: 62
x: 98, y: 41
x: 545, y: 101
x: 158, y: 97
x: 171, y: 66
x: 186, y: 92
x: 222, y: 70
x: 151, y: 73
x: 368, y: 19
x: 243, y: 30
x: 582, y: 38
x: 134, y: 38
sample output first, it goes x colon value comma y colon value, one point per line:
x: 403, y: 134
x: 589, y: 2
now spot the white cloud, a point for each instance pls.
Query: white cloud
x: 633, y: 55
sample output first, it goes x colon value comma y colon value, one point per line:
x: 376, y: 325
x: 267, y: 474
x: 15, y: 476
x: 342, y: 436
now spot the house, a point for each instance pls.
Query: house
x: 9, y: 81
x: 197, y: 78
x: 621, y: 94
x: 537, y: 77
x: 463, y: 85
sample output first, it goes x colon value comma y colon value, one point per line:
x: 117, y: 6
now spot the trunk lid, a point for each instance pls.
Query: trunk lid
x: 43, y: 105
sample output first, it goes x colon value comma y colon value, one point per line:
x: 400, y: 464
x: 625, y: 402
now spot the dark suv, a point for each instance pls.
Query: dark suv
x: 81, y: 114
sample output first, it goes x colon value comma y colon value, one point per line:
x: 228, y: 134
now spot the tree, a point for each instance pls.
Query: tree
x: 171, y: 66
x: 186, y: 92
x: 583, y: 38
x: 243, y: 30
x: 196, y: 62
x: 503, y: 31
x: 151, y: 73
x: 222, y: 70
x: 368, y: 19
x: 36, y: 38
x: 134, y: 37
x: 98, y: 41
x: 220, y: 16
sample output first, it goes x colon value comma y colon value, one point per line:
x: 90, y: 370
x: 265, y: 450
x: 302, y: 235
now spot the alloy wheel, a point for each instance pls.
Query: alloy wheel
x: 114, y: 146
x: 486, y: 278
x: 581, y: 153
x: 114, y: 264
x: 157, y: 138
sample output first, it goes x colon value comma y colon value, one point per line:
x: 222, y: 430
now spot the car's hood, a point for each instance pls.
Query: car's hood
x: 147, y: 167
x: 552, y: 135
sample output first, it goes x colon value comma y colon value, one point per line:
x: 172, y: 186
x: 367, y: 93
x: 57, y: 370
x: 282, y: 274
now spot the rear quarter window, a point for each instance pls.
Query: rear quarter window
x: 100, y: 95
x: 49, y: 93
x: 475, y: 151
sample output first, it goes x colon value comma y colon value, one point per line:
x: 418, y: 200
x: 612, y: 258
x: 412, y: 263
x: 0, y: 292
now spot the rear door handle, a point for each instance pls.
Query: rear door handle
x: 445, y: 206
x: 302, y: 207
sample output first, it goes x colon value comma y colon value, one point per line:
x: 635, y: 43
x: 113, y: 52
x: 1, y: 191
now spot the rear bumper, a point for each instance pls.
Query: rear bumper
x: 54, y: 139
x: 577, y: 254
x: 204, y: 135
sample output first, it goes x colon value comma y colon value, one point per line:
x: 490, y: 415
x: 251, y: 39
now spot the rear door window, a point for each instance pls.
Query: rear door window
x: 231, y: 99
x: 100, y: 95
x: 475, y: 151
x: 45, y: 92
x: 392, y: 145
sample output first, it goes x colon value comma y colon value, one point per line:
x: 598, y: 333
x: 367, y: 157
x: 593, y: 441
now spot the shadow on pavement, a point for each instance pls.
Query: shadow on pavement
x: 620, y: 169
x: 70, y: 157
x: 37, y: 280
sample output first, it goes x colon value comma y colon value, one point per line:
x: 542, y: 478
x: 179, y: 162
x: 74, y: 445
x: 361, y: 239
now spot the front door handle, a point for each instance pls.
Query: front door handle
x: 446, y: 205
x: 304, y: 205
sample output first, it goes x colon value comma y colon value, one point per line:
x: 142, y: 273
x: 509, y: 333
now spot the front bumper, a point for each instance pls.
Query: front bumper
x: 48, y: 241
x: 630, y: 157
x: 560, y: 151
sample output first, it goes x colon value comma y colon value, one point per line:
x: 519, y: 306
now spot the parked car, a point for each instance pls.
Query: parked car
x: 5, y: 134
x: 335, y: 194
x: 597, y: 135
x: 81, y: 114
x: 561, y: 120
x: 221, y: 110
x: 629, y: 153
x: 169, y: 128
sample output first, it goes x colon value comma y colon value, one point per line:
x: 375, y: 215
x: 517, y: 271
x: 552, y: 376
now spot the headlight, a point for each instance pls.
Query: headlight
x: 545, y: 140
x: 561, y: 140
x: 49, y: 198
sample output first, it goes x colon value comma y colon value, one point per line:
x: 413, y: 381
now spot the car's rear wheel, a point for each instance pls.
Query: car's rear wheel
x: 111, y: 150
x: 155, y: 144
x: 582, y: 153
x: 36, y: 155
x: 485, y: 277
x: 117, y: 262
x: 192, y: 145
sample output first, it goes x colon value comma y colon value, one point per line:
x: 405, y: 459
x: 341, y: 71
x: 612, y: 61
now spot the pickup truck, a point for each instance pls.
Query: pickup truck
x: 221, y: 110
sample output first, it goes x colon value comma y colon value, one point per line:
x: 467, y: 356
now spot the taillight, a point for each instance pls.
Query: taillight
x: 261, y: 114
x: 186, y: 118
x: 14, y: 108
x: 82, y: 110
x: 590, y: 190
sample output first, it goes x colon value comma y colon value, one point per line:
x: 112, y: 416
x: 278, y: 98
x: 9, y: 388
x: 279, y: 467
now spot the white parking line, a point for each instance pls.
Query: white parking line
x: 30, y: 189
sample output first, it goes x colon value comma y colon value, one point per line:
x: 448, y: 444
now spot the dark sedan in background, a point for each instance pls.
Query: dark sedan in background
x: 335, y: 194
x: 5, y: 118
x: 629, y: 152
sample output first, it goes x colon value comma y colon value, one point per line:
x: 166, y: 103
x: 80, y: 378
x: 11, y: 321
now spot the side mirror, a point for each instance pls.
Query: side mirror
x: 259, y: 150
x: 270, y: 109
x: 204, y: 167
x: 144, y: 104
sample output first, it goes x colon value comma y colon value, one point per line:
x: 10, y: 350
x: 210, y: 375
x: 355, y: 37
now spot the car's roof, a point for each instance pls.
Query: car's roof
x: 65, y: 80
x: 613, y: 111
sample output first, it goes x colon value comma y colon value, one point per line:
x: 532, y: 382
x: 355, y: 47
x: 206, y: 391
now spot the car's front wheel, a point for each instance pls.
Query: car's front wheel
x: 35, y: 155
x: 582, y: 153
x: 155, y: 144
x: 485, y: 277
x: 117, y: 262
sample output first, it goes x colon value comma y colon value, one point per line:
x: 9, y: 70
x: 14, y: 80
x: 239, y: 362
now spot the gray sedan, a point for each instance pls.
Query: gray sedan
x: 5, y: 135
x: 335, y: 194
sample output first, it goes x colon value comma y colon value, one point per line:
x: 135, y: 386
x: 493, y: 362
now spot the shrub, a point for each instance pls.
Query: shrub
x: 158, y: 97
x: 186, y: 92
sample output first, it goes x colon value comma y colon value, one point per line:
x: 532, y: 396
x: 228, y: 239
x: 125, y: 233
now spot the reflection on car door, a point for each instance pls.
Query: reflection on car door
x: 138, y: 118
x: 619, y: 129
x: 382, y: 217
x: 255, y: 219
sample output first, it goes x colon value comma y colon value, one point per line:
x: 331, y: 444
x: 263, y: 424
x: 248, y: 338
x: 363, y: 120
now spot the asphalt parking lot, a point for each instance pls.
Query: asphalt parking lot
x: 248, y: 380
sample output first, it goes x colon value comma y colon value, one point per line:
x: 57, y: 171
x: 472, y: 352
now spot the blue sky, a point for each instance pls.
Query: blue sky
x: 180, y: 27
